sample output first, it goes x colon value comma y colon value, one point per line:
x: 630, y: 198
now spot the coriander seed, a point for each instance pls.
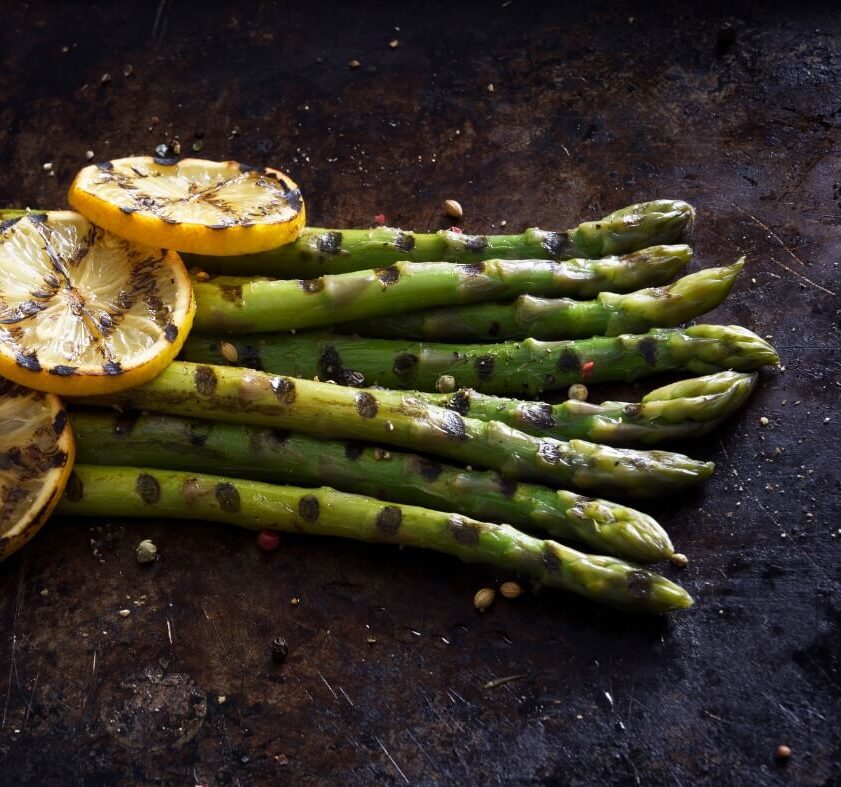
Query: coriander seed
x: 453, y: 208
x: 511, y: 589
x: 484, y: 598
x: 228, y: 352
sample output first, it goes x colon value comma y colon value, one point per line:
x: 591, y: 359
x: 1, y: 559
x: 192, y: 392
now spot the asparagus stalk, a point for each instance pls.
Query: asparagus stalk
x: 264, y: 454
x: 703, y: 403
x: 134, y: 492
x: 332, y: 411
x: 238, y: 304
x: 564, y: 318
x: 318, y: 251
x: 517, y: 368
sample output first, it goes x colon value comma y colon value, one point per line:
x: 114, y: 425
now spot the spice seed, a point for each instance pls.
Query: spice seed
x: 679, y: 559
x: 578, y: 392
x: 511, y: 589
x: 783, y: 752
x: 453, y: 208
x: 446, y: 383
x: 229, y: 352
x: 146, y: 552
x: 268, y: 540
x: 484, y: 598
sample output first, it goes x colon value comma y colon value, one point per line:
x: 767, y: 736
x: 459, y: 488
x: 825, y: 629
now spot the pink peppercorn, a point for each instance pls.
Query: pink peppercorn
x: 268, y: 540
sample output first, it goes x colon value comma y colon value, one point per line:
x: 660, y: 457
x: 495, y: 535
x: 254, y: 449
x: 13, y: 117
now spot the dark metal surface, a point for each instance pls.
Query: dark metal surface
x: 738, y: 111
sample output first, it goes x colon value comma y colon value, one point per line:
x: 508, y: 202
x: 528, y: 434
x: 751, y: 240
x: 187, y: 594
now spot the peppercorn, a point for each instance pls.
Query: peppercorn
x: 578, y: 392
x: 446, y: 383
x: 268, y: 540
x: 146, y: 552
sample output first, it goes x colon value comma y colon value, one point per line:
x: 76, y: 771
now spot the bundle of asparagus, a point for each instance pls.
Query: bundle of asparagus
x: 220, y: 434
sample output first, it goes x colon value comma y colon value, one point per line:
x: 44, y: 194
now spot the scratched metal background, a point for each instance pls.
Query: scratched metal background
x: 737, y: 110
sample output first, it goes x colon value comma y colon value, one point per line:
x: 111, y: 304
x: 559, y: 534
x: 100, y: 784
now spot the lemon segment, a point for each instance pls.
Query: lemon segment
x: 36, y: 458
x: 83, y: 311
x: 205, y: 207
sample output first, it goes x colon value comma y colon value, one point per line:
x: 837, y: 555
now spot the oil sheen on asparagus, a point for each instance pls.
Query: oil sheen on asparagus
x: 264, y: 454
x: 559, y: 318
x: 523, y: 368
x: 318, y: 251
x: 238, y: 304
x: 333, y: 411
x: 131, y: 492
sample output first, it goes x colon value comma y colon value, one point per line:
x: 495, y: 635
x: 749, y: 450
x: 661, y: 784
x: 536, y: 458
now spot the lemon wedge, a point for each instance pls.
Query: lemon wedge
x: 205, y: 207
x: 83, y: 311
x: 36, y: 459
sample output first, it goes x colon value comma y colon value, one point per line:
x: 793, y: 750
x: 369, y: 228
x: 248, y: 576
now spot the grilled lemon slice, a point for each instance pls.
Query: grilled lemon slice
x: 83, y: 311
x: 206, y: 207
x: 36, y: 457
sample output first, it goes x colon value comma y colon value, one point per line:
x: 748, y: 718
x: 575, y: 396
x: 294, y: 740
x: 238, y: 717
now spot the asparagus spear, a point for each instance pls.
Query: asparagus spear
x: 135, y: 492
x: 563, y: 318
x: 264, y: 454
x: 707, y: 401
x: 321, y: 409
x: 517, y: 368
x: 703, y: 403
x: 318, y: 251
x: 238, y: 304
